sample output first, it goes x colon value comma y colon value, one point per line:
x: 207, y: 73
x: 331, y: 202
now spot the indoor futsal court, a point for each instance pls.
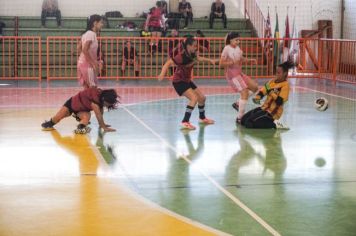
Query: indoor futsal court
x: 64, y: 64
x: 151, y: 178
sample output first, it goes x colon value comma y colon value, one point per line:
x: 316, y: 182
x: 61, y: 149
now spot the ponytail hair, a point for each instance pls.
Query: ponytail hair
x: 286, y: 65
x: 231, y: 36
x: 91, y: 20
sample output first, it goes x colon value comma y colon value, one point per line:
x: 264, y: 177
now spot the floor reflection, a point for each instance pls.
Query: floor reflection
x: 265, y: 146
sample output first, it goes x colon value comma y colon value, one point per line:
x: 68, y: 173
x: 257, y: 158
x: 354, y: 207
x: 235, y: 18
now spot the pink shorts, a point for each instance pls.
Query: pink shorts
x: 86, y: 75
x: 239, y: 82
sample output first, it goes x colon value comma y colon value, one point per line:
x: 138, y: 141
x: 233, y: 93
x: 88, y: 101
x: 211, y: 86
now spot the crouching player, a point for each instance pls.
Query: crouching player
x: 81, y: 104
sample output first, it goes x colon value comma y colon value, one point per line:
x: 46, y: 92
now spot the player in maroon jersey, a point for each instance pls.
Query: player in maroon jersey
x: 81, y: 104
x: 184, y: 61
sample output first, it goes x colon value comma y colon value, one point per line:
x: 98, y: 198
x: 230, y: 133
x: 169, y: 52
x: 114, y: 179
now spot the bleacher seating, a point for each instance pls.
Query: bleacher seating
x: 74, y: 26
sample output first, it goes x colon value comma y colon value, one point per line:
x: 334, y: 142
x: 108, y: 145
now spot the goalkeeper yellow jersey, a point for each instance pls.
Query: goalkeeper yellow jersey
x: 277, y: 96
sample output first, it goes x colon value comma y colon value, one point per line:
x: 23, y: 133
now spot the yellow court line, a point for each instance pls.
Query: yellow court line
x: 51, y: 183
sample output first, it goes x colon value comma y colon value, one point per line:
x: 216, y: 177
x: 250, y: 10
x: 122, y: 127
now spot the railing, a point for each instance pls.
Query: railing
x: 254, y: 13
x: 338, y: 60
x: 20, y: 58
x: 317, y: 58
x: 61, y: 53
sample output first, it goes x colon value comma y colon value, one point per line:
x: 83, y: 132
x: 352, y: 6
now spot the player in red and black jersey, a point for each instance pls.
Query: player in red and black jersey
x: 184, y: 61
x: 81, y: 104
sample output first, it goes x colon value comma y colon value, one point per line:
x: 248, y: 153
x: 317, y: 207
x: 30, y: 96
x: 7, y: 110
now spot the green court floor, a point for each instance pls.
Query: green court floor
x: 299, y: 182
x: 223, y: 177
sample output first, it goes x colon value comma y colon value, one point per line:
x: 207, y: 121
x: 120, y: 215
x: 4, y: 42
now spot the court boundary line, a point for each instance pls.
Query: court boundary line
x: 326, y: 93
x: 150, y: 203
x: 254, y: 215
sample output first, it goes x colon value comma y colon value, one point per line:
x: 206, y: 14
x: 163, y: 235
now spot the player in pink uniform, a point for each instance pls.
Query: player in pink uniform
x: 232, y: 59
x: 184, y: 61
x: 81, y: 104
x: 88, y: 65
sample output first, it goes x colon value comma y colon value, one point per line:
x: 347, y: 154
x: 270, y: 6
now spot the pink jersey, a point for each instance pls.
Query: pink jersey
x: 93, y: 49
x: 230, y: 53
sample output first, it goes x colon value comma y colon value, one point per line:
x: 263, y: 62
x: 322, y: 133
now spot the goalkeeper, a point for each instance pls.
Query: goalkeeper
x: 277, y: 92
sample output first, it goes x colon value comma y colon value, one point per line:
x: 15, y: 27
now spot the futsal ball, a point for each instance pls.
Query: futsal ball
x: 321, y: 104
x: 319, y: 162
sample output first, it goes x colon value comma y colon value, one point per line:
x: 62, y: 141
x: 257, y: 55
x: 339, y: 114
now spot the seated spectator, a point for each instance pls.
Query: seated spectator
x: 155, y: 24
x: 203, y: 44
x: 173, y: 42
x: 217, y: 11
x: 50, y: 8
x: 130, y: 57
x: 186, y: 10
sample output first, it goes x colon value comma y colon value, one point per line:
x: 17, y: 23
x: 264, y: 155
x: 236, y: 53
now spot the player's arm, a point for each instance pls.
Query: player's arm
x: 204, y: 59
x: 261, y: 93
x: 164, y: 70
x: 100, y: 118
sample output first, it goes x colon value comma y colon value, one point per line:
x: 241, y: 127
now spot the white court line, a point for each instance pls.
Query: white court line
x: 103, y: 163
x: 217, y: 185
x: 329, y: 94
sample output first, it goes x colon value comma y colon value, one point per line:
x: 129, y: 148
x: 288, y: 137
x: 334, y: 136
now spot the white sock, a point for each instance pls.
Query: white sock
x: 242, y: 106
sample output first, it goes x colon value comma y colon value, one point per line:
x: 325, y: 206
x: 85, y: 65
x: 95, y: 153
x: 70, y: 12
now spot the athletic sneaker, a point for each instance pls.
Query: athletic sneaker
x: 47, y: 125
x: 238, y: 121
x: 235, y: 106
x: 206, y: 121
x: 279, y: 125
x: 84, y: 130
x: 187, y: 125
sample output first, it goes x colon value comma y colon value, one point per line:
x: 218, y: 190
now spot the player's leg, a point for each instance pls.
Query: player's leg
x: 238, y: 85
x: 201, y: 105
x: 260, y: 120
x: 193, y: 99
x: 184, y: 89
x: 62, y: 113
x: 242, y: 103
x: 252, y: 85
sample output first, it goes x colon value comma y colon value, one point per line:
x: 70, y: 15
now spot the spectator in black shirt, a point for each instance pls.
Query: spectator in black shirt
x: 185, y: 9
x: 50, y: 8
x: 217, y: 11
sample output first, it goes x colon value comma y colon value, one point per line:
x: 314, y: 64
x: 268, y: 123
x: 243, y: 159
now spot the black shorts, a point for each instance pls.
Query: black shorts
x: 155, y: 29
x: 68, y: 104
x: 182, y: 86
